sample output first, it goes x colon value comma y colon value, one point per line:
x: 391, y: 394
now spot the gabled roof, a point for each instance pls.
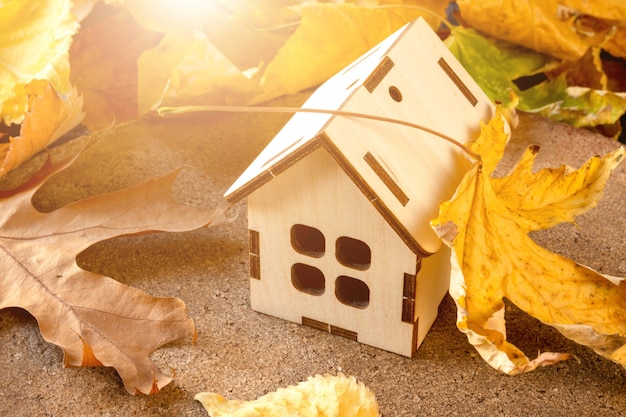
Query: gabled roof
x: 404, y: 172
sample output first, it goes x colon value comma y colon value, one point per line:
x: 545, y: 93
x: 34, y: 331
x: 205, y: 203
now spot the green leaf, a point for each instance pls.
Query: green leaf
x: 580, y: 106
x: 496, y: 64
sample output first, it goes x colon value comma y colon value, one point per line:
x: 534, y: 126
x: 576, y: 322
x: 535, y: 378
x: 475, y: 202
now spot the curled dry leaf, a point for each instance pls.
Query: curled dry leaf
x: 487, y: 224
x: 49, y: 116
x: 318, y: 396
x: 94, y: 319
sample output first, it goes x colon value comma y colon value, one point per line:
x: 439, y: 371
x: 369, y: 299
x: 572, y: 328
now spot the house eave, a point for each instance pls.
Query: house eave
x: 271, y: 171
x: 371, y: 196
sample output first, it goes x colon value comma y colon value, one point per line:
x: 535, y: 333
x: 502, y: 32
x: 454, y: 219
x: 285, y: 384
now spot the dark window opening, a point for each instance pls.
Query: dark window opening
x: 308, y: 240
x: 308, y: 279
x: 352, y: 292
x: 353, y: 253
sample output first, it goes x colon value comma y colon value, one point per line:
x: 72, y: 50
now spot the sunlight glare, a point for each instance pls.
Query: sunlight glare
x: 185, y: 10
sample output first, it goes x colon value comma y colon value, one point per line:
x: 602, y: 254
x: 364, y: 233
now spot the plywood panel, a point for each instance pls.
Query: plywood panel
x: 317, y: 193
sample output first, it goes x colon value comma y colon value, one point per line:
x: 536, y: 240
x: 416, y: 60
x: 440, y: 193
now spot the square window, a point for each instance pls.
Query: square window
x: 352, y: 292
x: 353, y: 253
x: 308, y: 240
x: 308, y: 279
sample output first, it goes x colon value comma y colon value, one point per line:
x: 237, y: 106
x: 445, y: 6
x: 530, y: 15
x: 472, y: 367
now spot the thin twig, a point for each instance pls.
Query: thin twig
x: 172, y: 111
x: 423, y: 10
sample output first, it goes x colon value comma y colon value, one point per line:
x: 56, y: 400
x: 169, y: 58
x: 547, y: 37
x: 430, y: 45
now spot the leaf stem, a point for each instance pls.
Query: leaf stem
x: 173, y: 111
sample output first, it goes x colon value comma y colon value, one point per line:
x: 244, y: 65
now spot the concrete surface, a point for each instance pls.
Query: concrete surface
x: 243, y: 354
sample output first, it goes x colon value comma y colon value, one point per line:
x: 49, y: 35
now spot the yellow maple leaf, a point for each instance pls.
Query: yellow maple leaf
x: 260, y: 53
x: 47, y: 118
x: 328, y: 38
x: 34, y: 44
x: 487, y: 223
x: 320, y: 395
x: 187, y: 69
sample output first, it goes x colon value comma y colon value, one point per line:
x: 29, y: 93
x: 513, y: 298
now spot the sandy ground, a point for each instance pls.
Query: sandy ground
x: 243, y: 354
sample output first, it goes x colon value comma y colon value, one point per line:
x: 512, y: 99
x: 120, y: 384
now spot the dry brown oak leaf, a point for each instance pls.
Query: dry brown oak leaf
x: 96, y: 320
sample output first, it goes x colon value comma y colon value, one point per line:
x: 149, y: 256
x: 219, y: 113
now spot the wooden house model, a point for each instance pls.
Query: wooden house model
x: 339, y: 207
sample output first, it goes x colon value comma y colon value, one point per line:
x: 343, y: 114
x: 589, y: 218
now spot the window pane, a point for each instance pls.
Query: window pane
x: 353, y: 253
x: 308, y: 240
x: 352, y: 292
x: 308, y: 279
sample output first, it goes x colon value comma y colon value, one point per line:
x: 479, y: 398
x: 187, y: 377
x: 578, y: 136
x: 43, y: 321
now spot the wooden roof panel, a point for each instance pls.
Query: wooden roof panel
x: 405, y: 172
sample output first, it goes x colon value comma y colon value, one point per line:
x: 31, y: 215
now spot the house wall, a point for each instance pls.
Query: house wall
x: 316, y: 193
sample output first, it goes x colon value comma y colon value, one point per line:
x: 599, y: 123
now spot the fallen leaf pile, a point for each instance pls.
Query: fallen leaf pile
x: 257, y: 51
x: 487, y: 224
x: 129, y: 57
x: 63, y: 63
x: 96, y: 320
x: 318, y: 396
x: 125, y: 58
